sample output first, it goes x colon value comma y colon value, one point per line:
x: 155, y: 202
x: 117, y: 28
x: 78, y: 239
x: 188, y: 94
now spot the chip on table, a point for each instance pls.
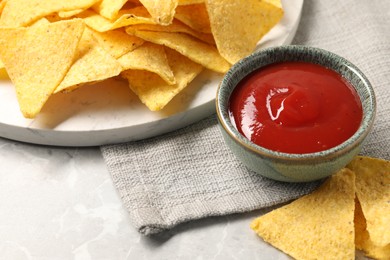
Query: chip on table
x: 319, y: 220
x: 316, y: 226
x: 373, y: 193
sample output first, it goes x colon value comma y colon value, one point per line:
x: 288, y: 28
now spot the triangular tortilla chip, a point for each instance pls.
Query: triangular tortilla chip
x: 17, y: 13
x: 373, y: 192
x: 117, y: 42
x: 92, y: 64
x: 238, y: 26
x: 316, y: 226
x: 150, y: 57
x: 37, y: 59
x: 125, y: 17
x: 175, y: 27
x: 161, y: 11
x: 362, y: 238
x: 109, y: 8
x: 195, y: 16
x: 194, y: 49
x: 154, y: 92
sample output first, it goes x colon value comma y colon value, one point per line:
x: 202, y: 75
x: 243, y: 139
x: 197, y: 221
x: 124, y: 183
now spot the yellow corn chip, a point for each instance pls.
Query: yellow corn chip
x: 19, y: 13
x: 154, y: 92
x: 150, y: 57
x: 126, y: 17
x: 3, y: 72
x: 190, y: 2
x: 175, y: 27
x: 161, y: 11
x: 238, y: 26
x: 316, y: 226
x: 37, y: 59
x: 373, y: 192
x: 190, y: 47
x: 92, y: 64
x: 2, y: 4
x: 362, y: 238
x: 117, y: 42
x: 195, y: 16
x: 67, y: 14
x: 109, y: 8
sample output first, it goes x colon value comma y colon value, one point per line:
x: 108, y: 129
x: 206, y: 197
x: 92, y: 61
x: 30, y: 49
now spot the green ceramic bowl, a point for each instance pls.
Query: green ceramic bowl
x: 294, y: 167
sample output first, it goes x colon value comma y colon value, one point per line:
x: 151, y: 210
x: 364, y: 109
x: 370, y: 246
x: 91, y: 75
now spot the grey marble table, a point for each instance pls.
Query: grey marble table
x: 60, y: 203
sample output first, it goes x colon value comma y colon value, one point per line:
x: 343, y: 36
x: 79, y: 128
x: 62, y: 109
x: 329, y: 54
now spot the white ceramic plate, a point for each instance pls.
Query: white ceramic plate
x: 108, y: 112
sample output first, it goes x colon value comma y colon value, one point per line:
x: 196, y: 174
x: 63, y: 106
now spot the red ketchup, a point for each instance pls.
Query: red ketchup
x: 295, y: 107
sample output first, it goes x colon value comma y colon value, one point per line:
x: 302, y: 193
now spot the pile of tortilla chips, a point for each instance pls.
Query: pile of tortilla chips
x: 350, y: 209
x: 159, y: 46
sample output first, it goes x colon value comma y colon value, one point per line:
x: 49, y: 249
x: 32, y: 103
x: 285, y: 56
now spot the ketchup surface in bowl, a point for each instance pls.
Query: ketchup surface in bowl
x: 295, y: 107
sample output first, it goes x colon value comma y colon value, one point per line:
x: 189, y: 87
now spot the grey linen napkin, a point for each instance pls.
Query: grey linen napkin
x: 190, y: 173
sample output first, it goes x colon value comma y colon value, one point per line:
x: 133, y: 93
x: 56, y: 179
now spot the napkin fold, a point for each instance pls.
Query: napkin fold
x: 190, y: 173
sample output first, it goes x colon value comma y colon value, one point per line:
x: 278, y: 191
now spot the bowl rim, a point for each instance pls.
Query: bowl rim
x: 349, y: 144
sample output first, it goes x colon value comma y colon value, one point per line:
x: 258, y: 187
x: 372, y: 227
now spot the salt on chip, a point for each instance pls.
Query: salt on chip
x: 362, y: 238
x: 117, y: 42
x: 238, y: 26
x: 37, y: 59
x: 161, y: 11
x: 109, y: 8
x: 373, y: 192
x: 194, y: 16
x: 175, y: 27
x: 149, y: 57
x: 99, y: 23
x: 192, y: 48
x: 316, y: 226
x: 154, y: 92
x: 17, y: 13
x: 92, y: 64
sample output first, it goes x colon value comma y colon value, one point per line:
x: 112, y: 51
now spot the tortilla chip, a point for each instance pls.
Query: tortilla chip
x: 238, y: 26
x: 37, y: 59
x: 195, y: 16
x: 3, y: 72
x: 161, y: 11
x: 109, y: 8
x: 2, y: 4
x: 190, y: 47
x: 175, y: 27
x: 316, y: 226
x: 190, y: 2
x: 92, y: 64
x: 150, y: 57
x: 373, y: 192
x: 154, y: 92
x: 125, y: 17
x: 68, y: 14
x: 19, y: 13
x: 362, y: 238
x: 117, y: 42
